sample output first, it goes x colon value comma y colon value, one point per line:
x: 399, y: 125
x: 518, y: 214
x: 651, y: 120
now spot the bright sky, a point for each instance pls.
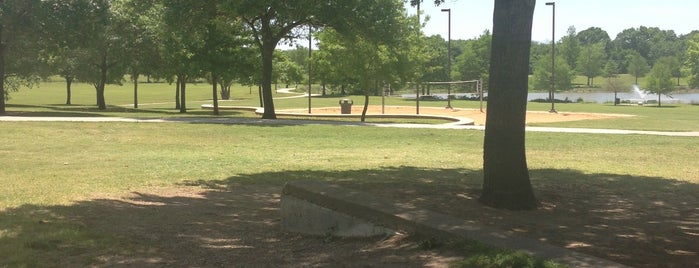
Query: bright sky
x: 469, y: 18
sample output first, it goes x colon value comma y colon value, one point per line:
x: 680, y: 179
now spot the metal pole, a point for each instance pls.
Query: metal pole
x: 417, y: 91
x: 417, y: 99
x: 310, y: 29
x: 448, y: 10
x: 552, y: 94
x: 480, y: 91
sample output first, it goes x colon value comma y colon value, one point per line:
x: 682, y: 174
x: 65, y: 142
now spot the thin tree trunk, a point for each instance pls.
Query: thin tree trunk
x: 177, y: 93
x: 101, y: 103
x: 134, y: 77
x: 259, y: 91
x: 69, y: 83
x: 366, y: 106
x: 183, y: 93
x: 214, y: 82
x: 506, y: 182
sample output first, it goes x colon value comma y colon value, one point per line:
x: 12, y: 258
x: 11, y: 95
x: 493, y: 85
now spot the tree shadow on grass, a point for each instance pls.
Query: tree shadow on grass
x: 62, y: 110
x: 639, y: 221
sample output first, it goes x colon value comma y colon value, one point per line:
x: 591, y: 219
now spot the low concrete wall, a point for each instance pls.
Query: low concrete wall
x: 320, y: 208
x: 304, y: 217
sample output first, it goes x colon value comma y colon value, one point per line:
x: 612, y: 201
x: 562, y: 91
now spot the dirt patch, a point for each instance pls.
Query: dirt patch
x: 239, y: 226
x: 642, y: 222
x: 475, y: 114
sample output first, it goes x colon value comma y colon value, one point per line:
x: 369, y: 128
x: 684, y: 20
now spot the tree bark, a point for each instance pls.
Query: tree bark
x: 101, y: 102
x: 134, y: 77
x: 182, y: 78
x: 366, y: 107
x: 506, y: 182
x: 214, y: 82
x: 177, y: 93
x: 69, y: 83
x: 267, y: 62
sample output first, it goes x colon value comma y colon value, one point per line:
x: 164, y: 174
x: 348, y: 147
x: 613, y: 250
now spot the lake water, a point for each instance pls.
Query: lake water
x: 599, y: 97
x: 609, y: 97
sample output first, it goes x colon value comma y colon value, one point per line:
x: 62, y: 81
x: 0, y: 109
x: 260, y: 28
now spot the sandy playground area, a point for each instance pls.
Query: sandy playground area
x: 475, y: 114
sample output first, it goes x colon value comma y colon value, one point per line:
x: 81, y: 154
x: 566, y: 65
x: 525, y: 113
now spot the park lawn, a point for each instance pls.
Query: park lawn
x: 680, y: 117
x: 156, y: 100
x: 64, y: 163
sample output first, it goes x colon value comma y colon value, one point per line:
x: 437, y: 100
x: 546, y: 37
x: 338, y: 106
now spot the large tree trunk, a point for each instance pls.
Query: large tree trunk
x: 267, y: 98
x: 506, y: 181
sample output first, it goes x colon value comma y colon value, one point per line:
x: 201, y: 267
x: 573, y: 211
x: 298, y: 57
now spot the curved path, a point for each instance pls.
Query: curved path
x: 224, y: 120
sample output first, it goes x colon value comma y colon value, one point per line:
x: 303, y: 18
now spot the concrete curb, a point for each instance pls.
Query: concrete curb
x: 455, y: 121
x: 427, y: 223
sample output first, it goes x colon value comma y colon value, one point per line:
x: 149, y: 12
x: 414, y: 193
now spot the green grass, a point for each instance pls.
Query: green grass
x: 49, y: 166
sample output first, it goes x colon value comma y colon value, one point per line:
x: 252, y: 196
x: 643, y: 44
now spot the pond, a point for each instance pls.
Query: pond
x: 602, y: 97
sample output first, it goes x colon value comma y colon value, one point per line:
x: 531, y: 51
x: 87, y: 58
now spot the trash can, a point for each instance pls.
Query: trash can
x: 346, y: 106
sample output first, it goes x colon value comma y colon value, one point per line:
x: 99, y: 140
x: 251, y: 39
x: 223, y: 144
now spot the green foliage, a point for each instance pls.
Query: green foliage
x: 591, y: 61
x: 365, y: 64
x: 593, y: 35
x: 507, y: 259
x: 569, y: 48
x: 660, y: 79
x: 474, y: 61
x: 638, y: 66
x: 693, y: 60
x: 542, y: 75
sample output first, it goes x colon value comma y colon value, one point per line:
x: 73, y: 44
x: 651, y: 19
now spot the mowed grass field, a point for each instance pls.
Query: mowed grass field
x: 52, y: 164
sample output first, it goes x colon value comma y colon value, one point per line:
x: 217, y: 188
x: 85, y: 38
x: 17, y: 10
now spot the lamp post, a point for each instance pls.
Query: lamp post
x: 448, y: 10
x: 553, y: 58
x: 310, y: 82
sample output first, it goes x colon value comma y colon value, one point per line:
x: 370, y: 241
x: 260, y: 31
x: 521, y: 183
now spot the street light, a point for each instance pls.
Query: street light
x: 310, y: 82
x: 448, y: 10
x: 553, y: 58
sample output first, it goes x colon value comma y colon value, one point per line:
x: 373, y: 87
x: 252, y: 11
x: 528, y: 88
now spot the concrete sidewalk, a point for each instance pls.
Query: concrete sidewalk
x: 247, y: 121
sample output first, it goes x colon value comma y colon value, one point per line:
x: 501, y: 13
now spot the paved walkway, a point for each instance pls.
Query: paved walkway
x: 247, y: 121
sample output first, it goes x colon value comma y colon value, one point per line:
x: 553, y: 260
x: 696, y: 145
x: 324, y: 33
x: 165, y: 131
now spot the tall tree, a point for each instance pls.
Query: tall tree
x: 139, y: 23
x: 590, y: 62
x: 273, y: 21
x: 569, y: 48
x: 638, y: 66
x: 98, y: 40
x: 660, y: 79
x: 506, y: 182
x: 474, y: 61
x: 593, y: 35
x: 611, y: 72
x: 541, y: 79
x: 18, y: 45
x: 692, y: 60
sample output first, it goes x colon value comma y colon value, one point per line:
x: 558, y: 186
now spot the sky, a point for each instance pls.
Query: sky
x: 469, y: 18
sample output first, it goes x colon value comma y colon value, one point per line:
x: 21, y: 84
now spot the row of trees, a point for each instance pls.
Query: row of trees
x: 645, y: 51
x: 99, y: 41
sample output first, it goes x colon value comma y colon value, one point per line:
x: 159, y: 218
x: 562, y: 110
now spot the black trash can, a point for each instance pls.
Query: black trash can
x: 346, y: 106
